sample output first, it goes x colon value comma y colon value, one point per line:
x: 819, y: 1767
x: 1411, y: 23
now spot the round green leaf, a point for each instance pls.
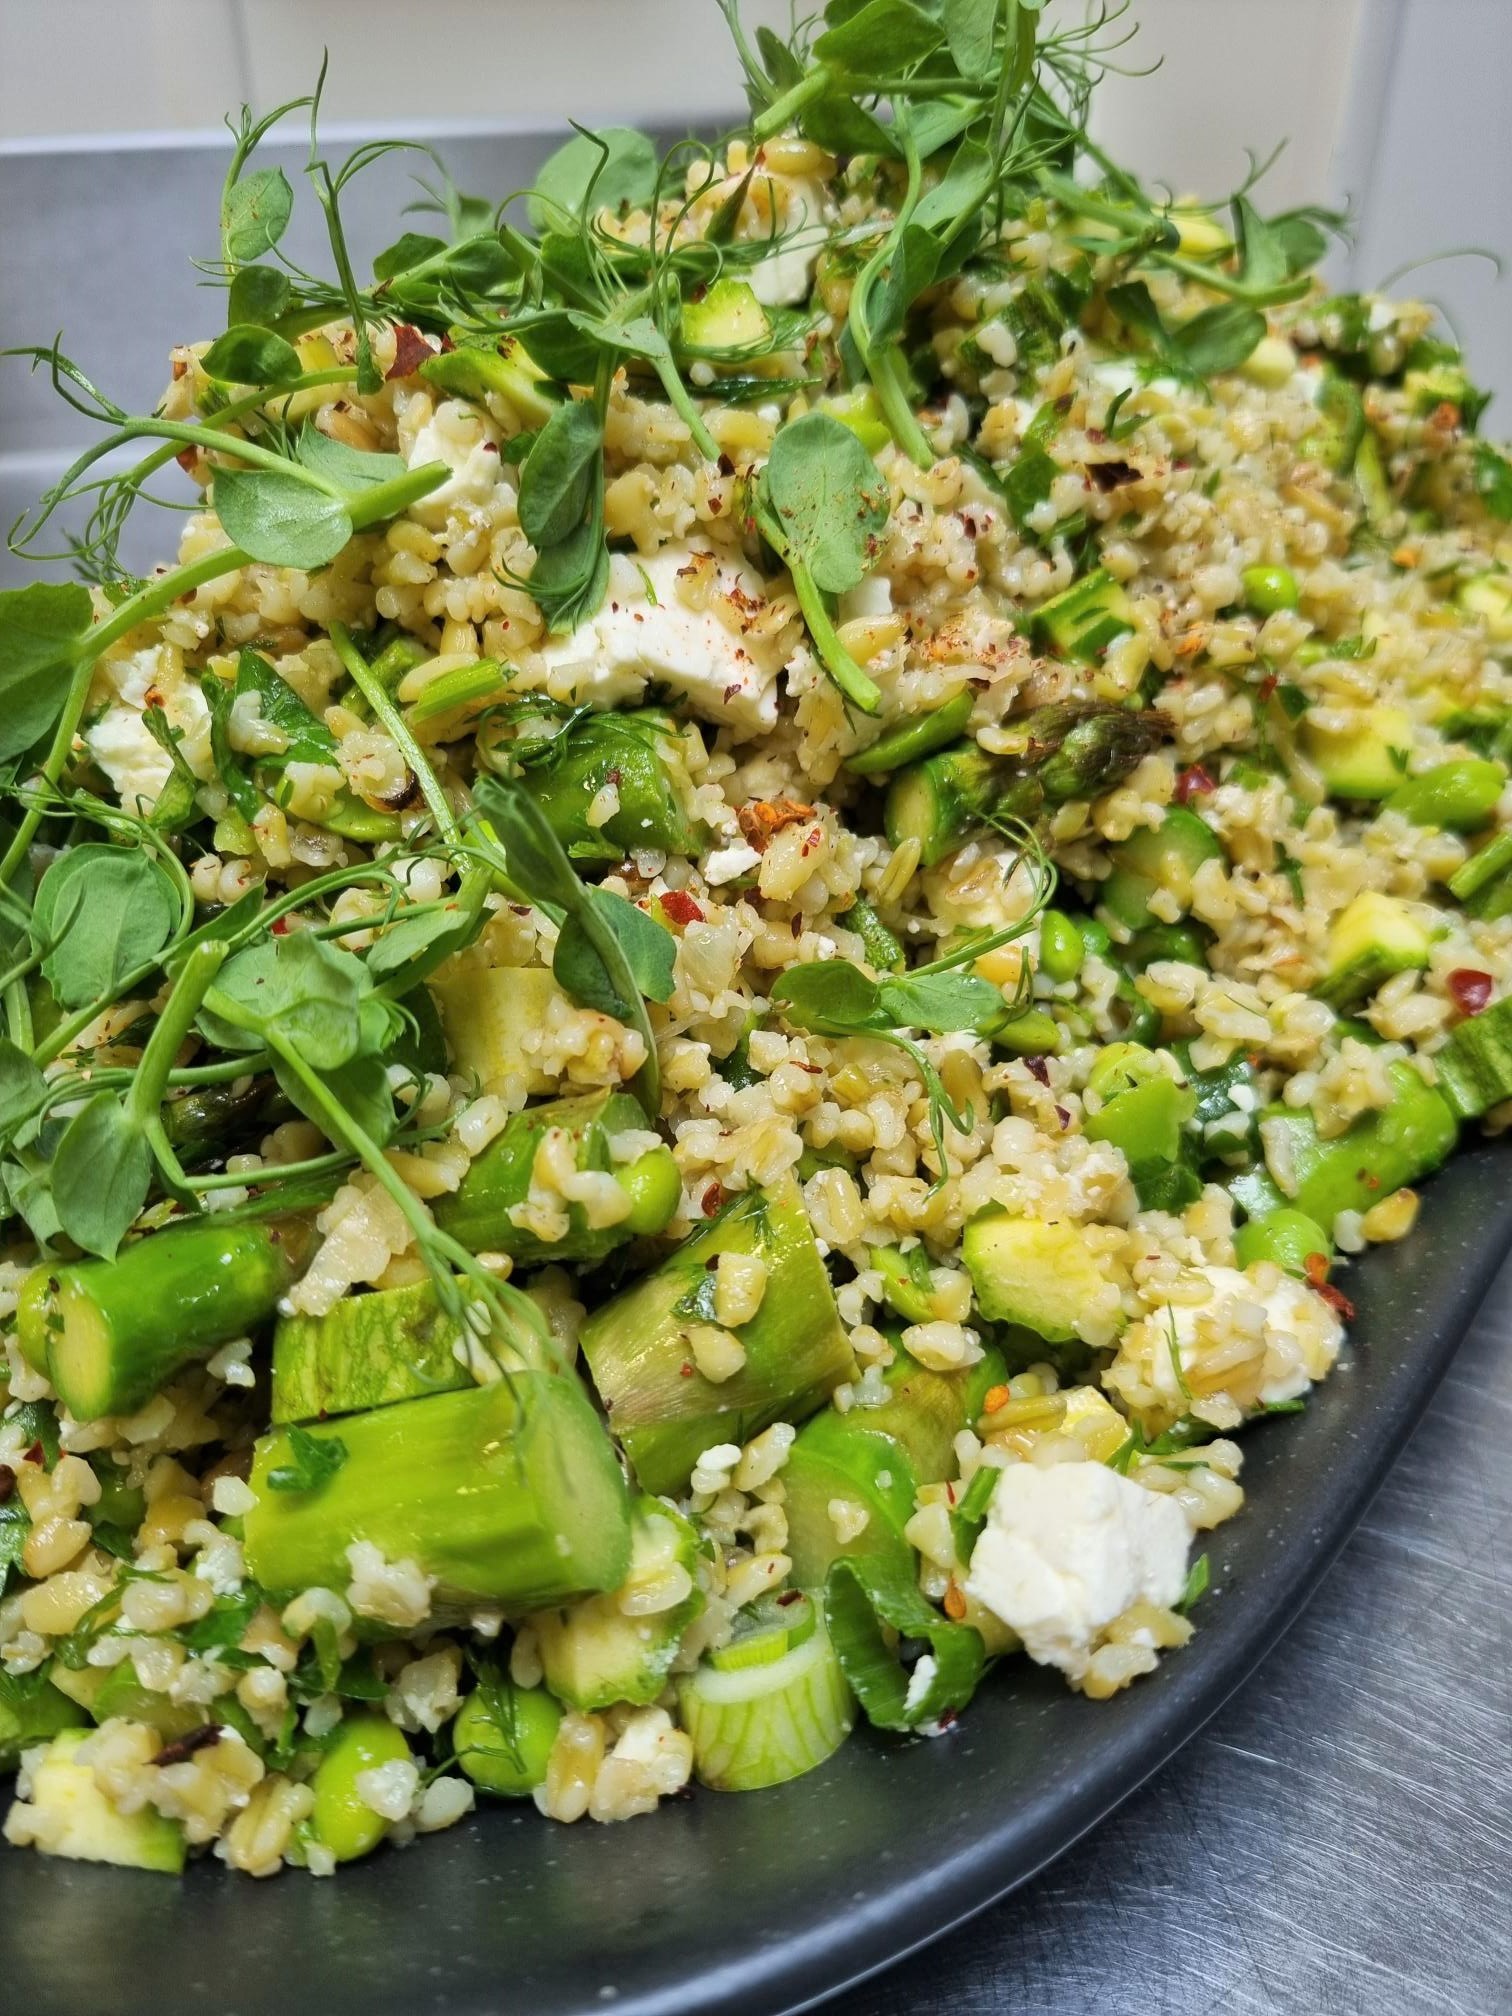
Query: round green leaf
x: 280, y: 519
x: 108, y: 911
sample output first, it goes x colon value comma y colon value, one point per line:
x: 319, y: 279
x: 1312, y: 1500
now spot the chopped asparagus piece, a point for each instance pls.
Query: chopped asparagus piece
x: 611, y: 1648
x: 640, y: 1345
x: 481, y: 1214
x: 368, y: 1351
x: 507, y: 1494
x: 112, y: 1331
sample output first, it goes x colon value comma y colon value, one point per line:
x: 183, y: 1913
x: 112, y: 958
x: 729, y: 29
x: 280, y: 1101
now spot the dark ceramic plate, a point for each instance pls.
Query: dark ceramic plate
x: 766, y: 1903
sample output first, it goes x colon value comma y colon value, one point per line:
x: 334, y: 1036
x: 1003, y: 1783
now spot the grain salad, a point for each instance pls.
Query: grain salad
x: 811, y: 833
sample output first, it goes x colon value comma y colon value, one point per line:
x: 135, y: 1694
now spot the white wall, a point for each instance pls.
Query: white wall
x: 1400, y: 104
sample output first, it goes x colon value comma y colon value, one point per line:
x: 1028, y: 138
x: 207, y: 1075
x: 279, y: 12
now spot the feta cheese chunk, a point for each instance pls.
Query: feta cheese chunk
x: 1270, y: 1336
x: 119, y: 740
x: 463, y: 437
x: 684, y: 619
x: 1067, y: 1549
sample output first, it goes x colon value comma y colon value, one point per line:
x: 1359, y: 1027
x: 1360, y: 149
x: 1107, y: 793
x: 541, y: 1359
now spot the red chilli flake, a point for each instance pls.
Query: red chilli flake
x: 1471, y: 990
x: 410, y: 351
x: 1038, y: 1068
x: 1192, y: 782
x: 1340, y: 1304
x: 713, y: 1197
x: 7, y: 1483
x: 680, y: 907
x: 1267, y: 686
x: 36, y: 1454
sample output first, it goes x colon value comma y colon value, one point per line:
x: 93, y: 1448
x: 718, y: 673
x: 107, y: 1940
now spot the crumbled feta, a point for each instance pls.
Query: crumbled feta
x: 728, y: 864
x: 1301, y: 1333
x: 1067, y: 1549
x: 119, y: 740
x: 662, y: 621
x: 465, y: 439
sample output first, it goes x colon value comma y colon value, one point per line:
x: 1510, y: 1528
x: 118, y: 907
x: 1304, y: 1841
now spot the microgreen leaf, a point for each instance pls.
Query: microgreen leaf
x: 255, y: 213
x: 829, y: 499
x: 612, y: 167
x: 279, y: 518
x: 259, y: 295
x: 351, y: 469
x: 22, y: 1087
x: 249, y: 355
x: 100, y: 1175
x: 109, y: 911
x: 605, y: 959
x: 298, y: 987
x: 313, y: 1460
x: 309, y: 739
x: 556, y: 478
x: 40, y: 631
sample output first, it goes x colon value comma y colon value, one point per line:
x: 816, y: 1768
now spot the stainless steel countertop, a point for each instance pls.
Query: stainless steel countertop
x: 1338, y: 1840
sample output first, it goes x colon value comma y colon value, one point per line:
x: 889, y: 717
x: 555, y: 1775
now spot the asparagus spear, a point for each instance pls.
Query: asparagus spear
x: 609, y: 1648
x: 478, y: 1214
x: 509, y: 1493
x: 641, y: 1347
x: 109, y: 1332
x: 369, y: 1351
x: 1069, y: 749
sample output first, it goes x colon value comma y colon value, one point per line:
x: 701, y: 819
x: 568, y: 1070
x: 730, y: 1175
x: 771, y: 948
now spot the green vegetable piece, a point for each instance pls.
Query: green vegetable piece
x: 939, y: 801
x: 1488, y: 596
x: 764, y: 1724
x: 861, y: 411
x: 640, y: 755
x: 503, y: 1736
x: 340, y: 1817
x: 1269, y: 589
x: 1475, y: 1065
x: 639, y: 1346
x: 32, y: 1711
x: 884, y: 951
x: 477, y: 371
x: 906, y: 1282
x: 1335, y: 439
x: 606, y: 1649
x: 367, y: 1351
x: 724, y: 320
x: 112, y: 1331
x: 1354, y: 1170
x: 1062, y: 948
x: 1147, y: 1122
x: 1372, y: 938
x: 1287, y: 1237
x: 1459, y: 796
x: 1085, y: 619
x: 477, y: 1213
x: 106, y: 912
x: 1165, y: 857
x: 1029, y: 1033
x: 1368, y: 759
x: 767, y: 1630
x: 74, y: 1818
x: 915, y: 736
x: 509, y: 1493
x: 1032, y: 1271
x: 866, y: 1602
x: 871, y: 1461
x: 1483, y: 883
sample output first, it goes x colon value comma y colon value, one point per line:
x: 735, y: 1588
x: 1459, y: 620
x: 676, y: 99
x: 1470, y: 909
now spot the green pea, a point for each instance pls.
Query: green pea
x: 654, y: 1187
x: 1062, y: 947
x: 1118, y: 1067
x: 340, y: 1819
x: 503, y: 1737
x: 1267, y: 589
x: 1186, y: 943
x: 1096, y: 939
x: 1032, y: 1034
x: 1458, y: 796
x: 1287, y: 1237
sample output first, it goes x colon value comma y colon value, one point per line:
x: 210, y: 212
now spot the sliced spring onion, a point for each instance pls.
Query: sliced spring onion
x: 761, y: 1725
x: 867, y: 1596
